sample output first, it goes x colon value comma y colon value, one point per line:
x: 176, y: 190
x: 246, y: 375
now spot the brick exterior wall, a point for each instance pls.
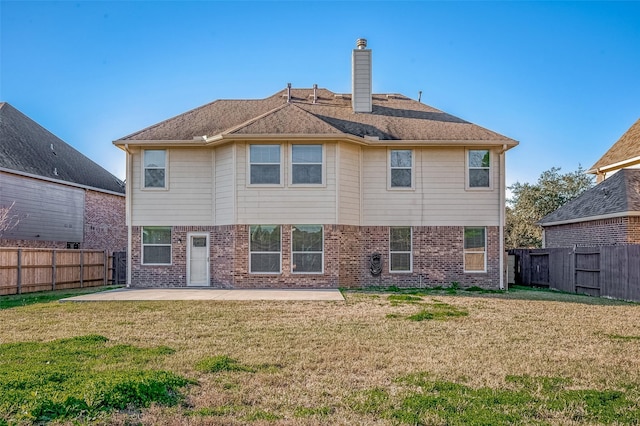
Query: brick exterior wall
x: 104, y: 225
x: 437, y: 259
x: 104, y: 222
x: 621, y: 230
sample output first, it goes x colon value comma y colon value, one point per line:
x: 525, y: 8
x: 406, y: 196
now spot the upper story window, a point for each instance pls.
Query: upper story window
x: 155, y: 167
x: 400, y: 249
x: 401, y: 168
x: 475, y: 249
x: 306, y: 164
x: 265, y: 249
x: 479, y: 168
x: 264, y: 163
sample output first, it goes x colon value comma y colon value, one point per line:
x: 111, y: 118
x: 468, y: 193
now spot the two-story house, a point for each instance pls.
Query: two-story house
x: 309, y: 188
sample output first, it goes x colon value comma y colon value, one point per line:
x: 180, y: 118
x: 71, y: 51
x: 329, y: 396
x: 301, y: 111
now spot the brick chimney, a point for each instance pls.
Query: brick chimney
x: 361, y: 77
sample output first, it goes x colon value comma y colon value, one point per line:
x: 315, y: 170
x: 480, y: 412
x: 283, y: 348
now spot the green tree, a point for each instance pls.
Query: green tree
x: 531, y: 202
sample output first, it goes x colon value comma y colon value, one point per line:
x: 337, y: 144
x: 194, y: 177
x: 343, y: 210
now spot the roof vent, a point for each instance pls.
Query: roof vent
x: 361, y: 43
x: 315, y: 93
x: 55, y: 171
x: 288, y: 92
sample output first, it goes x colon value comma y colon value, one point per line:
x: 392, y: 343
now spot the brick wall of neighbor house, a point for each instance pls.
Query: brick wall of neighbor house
x: 104, y: 222
x: 437, y: 261
x: 33, y: 244
x: 621, y: 230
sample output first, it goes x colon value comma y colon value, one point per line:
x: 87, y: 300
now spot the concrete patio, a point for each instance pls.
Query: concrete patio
x: 139, y: 294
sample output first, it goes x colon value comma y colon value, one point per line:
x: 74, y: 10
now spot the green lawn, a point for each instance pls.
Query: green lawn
x: 384, y: 356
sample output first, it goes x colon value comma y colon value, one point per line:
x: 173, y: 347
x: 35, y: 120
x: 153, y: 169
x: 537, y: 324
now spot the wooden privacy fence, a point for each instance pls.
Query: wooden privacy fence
x: 607, y: 271
x: 25, y: 270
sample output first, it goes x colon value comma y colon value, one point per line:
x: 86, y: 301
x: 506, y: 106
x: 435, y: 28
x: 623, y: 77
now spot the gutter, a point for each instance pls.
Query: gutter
x: 619, y: 165
x: 591, y: 218
x: 128, y: 211
x: 502, y: 214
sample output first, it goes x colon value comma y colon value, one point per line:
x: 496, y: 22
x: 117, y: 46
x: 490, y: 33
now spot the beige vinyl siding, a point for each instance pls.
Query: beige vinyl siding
x: 224, y: 185
x: 188, y: 199
x: 439, y: 197
x: 349, y: 184
x: 285, y: 204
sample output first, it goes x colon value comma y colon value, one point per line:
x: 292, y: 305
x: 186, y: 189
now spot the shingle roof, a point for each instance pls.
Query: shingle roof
x: 394, y: 117
x: 618, y: 194
x: 627, y: 147
x: 27, y: 147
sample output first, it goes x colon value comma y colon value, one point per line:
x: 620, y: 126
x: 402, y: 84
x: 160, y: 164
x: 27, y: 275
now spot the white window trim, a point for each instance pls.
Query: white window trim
x: 281, y: 164
x: 467, y: 168
x: 264, y: 252
x: 389, y: 168
x: 166, y: 171
x: 401, y: 252
x: 143, y: 245
x: 323, y: 165
x: 464, y: 252
x: 321, y: 253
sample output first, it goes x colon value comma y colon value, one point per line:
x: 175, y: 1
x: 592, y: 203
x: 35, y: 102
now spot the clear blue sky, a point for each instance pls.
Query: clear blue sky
x: 562, y: 78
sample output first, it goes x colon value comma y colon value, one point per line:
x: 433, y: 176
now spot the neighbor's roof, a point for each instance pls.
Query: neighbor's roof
x: 617, y: 196
x: 394, y: 118
x: 626, y: 150
x: 26, y: 147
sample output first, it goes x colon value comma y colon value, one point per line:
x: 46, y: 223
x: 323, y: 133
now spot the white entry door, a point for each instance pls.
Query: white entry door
x: 198, y: 259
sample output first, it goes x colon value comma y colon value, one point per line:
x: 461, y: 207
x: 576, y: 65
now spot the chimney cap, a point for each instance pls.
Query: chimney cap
x: 361, y: 43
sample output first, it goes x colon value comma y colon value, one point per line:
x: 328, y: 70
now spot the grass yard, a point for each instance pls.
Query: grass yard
x: 447, y: 357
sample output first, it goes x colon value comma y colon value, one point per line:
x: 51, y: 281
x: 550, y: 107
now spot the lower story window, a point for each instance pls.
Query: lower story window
x: 156, y: 245
x: 400, y: 250
x: 475, y: 249
x: 265, y: 249
x: 307, y: 249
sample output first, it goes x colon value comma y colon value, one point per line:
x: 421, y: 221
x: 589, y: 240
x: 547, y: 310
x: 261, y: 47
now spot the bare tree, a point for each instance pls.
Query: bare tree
x: 8, y: 220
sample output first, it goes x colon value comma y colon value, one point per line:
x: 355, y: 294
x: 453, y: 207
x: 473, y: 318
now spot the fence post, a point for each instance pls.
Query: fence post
x: 573, y: 269
x: 19, y: 271
x: 53, y: 270
x: 81, y: 268
x: 105, y: 262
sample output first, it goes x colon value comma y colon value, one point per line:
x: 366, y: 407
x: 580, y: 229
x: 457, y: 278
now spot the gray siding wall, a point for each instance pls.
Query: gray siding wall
x: 45, y: 211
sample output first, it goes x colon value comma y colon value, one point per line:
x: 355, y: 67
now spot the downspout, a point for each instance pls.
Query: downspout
x: 503, y: 200
x: 128, y: 194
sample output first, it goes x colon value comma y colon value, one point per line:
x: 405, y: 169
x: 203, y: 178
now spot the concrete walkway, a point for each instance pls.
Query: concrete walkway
x: 206, y: 294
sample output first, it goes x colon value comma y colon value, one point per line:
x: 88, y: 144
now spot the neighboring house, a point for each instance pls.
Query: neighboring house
x: 625, y: 153
x: 608, y: 213
x: 59, y: 197
x: 310, y: 188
